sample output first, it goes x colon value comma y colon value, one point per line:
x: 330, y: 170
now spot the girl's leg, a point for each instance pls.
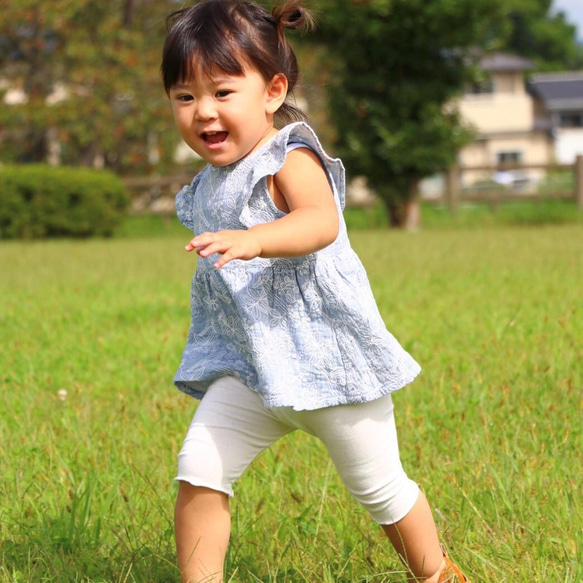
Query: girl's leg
x: 362, y: 442
x: 202, y: 525
x: 415, y: 540
x: 229, y: 429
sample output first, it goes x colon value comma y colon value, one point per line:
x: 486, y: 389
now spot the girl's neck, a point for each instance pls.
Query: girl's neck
x: 269, y: 134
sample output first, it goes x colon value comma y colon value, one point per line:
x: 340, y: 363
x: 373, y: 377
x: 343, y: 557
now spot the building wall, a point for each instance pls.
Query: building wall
x: 508, y: 83
x: 568, y: 144
x: 533, y: 147
x: 498, y: 113
x: 505, y: 122
x: 507, y: 108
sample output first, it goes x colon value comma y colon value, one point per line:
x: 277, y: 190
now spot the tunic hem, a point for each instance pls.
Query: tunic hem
x: 276, y: 401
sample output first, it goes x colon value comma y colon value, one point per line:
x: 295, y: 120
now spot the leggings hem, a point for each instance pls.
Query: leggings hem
x: 202, y: 484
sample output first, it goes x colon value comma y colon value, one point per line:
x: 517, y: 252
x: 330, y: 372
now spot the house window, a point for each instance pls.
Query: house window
x: 480, y: 88
x: 571, y: 120
x: 509, y: 157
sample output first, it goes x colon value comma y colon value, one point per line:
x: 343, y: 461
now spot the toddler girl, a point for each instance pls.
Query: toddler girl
x: 285, y: 331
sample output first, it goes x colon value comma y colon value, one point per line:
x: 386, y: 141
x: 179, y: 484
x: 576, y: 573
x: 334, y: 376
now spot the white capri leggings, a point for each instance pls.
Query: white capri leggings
x: 232, y: 426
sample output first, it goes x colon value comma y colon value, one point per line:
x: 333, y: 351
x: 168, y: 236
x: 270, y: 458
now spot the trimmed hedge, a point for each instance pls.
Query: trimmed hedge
x: 54, y: 201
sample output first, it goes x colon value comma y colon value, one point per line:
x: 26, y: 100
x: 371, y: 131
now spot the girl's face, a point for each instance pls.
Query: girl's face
x: 224, y: 117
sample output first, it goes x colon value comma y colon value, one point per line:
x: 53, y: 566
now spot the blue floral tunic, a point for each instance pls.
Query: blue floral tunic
x: 303, y: 332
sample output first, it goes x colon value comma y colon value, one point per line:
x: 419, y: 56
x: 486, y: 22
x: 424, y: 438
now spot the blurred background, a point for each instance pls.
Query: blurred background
x: 441, y: 102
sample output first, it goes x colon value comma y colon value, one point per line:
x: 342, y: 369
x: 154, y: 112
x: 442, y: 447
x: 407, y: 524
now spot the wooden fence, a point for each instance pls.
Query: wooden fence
x: 454, y: 194
x: 155, y: 194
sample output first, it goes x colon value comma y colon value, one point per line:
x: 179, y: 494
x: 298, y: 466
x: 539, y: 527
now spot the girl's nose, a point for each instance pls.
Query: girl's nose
x: 205, y: 109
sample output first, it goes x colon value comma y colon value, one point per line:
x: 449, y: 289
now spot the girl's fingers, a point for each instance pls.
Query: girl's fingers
x: 229, y: 244
x: 223, y: 260
x: 209, y: 243
x: 198, y: 242
x: 228, y: 253
x: 211, y: 248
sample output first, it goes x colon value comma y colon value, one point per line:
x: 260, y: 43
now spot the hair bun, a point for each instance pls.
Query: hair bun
x: 293, y: 15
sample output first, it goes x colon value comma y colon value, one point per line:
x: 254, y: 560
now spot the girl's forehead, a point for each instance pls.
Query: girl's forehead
x: 202, y: 77
x: 200, y: 71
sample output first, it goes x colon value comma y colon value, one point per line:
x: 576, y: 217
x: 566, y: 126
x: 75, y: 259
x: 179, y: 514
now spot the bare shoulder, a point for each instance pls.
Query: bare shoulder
x: 300, y: 160
x: 303, y: 178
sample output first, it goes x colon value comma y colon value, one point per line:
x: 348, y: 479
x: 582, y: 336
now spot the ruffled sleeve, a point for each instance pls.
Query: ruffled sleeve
x: 302, y: 133
x: 183, y: 203
x: 269, y: 160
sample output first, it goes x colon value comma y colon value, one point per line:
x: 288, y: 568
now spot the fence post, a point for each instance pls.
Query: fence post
x: 452, y: 187
x: 579, y: 181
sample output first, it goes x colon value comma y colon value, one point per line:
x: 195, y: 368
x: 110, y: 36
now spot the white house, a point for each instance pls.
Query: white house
x: 534, y: 122
x: 502, y: 112
x: 559, y: 109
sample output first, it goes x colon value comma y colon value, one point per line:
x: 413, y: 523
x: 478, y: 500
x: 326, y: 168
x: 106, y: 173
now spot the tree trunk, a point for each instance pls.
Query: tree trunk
x: 412, y: 215
x: 36, y: 150
x: 404, y: 213
x: 395, y: 211
x: 413, y: 209
x: 128, y: 13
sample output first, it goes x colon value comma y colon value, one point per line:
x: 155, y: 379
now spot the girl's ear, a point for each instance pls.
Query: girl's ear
x: 276, y: 92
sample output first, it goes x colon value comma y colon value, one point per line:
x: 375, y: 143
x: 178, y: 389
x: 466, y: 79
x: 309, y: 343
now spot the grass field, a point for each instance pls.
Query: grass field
x: 90, y: 424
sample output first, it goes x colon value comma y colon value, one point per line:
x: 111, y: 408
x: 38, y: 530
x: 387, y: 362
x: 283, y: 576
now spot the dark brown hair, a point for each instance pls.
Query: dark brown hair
x: 227, y: 35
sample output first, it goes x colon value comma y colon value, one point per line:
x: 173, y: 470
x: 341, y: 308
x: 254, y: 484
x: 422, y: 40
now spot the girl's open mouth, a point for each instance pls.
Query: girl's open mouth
x: 213, y: 138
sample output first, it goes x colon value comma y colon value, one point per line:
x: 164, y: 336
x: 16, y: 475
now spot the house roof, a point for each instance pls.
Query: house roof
x: 501, y: 62
x: 559, y: 91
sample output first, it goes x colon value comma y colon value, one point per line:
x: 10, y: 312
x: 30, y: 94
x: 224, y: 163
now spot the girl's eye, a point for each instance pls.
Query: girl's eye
x: 185, y: 98
x: 223, y: 93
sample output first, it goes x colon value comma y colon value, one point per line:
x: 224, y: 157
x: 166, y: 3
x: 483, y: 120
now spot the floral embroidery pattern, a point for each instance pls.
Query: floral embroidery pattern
x: 304, y: 332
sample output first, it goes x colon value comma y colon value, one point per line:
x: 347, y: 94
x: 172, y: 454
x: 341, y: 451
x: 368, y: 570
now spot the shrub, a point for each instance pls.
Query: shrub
x: 45, y: 201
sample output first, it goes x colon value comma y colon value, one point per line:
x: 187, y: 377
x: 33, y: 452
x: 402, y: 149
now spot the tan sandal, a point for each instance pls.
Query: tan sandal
x: 451, y: 572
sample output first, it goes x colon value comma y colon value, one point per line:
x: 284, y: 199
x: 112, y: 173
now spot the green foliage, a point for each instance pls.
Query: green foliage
x: 46, y: 201
x: 89, y: 72
x: 475, y: 215
x: 523, y: 213
x: 396, y: 64
x: 534, y: 30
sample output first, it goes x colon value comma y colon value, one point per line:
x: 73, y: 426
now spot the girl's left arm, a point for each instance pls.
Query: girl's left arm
x: 310, y: 225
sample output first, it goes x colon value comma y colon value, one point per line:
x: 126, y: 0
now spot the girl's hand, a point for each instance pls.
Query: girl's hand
x: 230, y: 244
x: 311, y: 221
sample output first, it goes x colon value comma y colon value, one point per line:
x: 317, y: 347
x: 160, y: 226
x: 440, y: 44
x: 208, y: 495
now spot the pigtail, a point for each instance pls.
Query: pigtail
x: 292, y: 15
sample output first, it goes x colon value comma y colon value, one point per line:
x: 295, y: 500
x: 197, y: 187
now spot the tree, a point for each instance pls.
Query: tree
x: 396, y: 65
x: 89, y: 75
x: 547, y: 38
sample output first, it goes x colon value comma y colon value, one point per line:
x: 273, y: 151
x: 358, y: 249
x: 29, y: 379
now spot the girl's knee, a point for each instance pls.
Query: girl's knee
x: 197, y: 503
x: 392, y: 502
x: 188, y: 492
